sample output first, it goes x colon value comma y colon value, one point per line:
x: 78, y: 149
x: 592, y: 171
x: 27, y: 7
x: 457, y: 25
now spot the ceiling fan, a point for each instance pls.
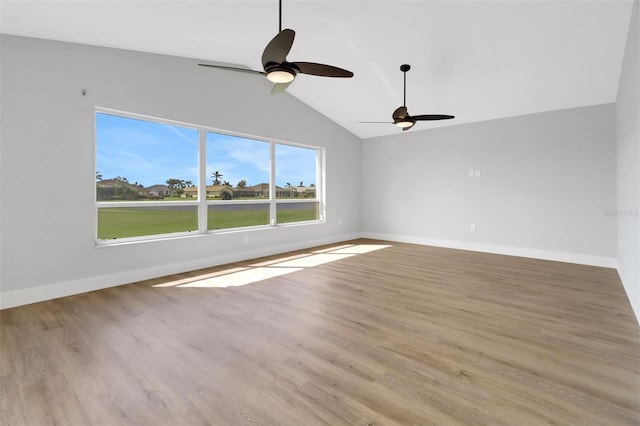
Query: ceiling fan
x: 276, y: 67
x: 401, y: 117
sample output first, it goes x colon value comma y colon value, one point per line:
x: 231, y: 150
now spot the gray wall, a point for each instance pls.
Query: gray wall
x: 47, y: 170
x: 628, y: 153
x: 546, y: 185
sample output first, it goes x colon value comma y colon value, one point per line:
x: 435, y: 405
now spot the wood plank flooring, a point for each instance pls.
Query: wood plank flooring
x: 363, y: 333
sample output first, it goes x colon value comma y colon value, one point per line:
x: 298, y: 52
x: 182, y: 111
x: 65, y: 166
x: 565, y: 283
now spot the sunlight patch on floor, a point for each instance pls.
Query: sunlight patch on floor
x: 180, y: 282
x: 360, y: 248
x: 279, y: 260
x: 260, y: 271
x: 313, y: 260
x: 241, y: 278
x: 332, y: 248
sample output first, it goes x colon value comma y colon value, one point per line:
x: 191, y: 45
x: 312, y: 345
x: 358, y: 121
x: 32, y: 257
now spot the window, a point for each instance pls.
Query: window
x: 142, y: 171
x: 156, y: 178
x: 239, y: 171
x: 296, y: 174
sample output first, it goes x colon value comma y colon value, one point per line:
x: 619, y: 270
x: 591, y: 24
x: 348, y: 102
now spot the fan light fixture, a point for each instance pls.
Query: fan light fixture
x: 404, y: 123
x: 281, y: 76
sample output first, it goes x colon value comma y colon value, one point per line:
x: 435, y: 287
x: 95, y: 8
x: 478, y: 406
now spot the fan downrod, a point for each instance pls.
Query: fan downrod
x: 404, y: 68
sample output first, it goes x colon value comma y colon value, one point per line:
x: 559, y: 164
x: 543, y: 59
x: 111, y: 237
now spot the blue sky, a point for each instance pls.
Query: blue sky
x: 150, y: 153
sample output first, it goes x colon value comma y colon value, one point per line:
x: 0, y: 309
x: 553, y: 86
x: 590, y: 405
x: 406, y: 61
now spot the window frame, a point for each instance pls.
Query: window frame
x: 202, y: 203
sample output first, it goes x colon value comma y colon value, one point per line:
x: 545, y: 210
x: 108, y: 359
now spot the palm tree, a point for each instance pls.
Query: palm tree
x: 173, y: 184
x: 289, y: 188
x: 216, y: 177
x: 242, y: 184
x: 189, y: 184
x: 301, y: 183
x: 170, y: 184
x: 98, y: 176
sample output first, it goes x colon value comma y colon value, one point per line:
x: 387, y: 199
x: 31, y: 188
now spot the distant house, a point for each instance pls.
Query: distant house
x: 212, y: 191
x: 260, y: 190
x: 190, y: 192
x: 156, y: 191
x: 306, y: 191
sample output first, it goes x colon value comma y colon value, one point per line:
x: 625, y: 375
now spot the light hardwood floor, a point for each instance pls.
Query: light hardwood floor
x: 397, y: 334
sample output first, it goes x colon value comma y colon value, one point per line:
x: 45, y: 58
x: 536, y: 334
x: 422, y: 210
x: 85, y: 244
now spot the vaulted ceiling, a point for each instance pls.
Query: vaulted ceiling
x: 477, y: 60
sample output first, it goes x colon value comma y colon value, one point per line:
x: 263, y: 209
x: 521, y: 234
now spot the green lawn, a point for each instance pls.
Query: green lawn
x: 287, y: 216
x: 235, y: 219
x: 129, y: 222
x: 125, y: 222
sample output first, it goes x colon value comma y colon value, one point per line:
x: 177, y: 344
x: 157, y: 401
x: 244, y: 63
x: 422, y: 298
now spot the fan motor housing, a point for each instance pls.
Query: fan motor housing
x: 280, y: 73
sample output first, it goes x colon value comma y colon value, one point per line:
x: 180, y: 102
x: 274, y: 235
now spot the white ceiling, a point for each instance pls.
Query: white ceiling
x: 477, y: 60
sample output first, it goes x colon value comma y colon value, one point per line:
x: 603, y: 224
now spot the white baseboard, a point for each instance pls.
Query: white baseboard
x: 582, y: 259
x: 68, y: 288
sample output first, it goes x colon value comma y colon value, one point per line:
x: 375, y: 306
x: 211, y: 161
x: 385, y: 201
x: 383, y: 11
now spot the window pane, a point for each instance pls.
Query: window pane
x: 143, y: 160
x: 297, y: 212
x: 122, y: 222
x: 223, y: 216
x: 237, y: 168
x: 295, y: 172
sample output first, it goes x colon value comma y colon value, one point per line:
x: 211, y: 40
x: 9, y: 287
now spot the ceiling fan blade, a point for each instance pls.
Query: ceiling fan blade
x: 322, y: 70
x: 400, y: 113
x: 280, y: 87
x: 232, y: 68
x: 428, y: 117
x: 278, y: 48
